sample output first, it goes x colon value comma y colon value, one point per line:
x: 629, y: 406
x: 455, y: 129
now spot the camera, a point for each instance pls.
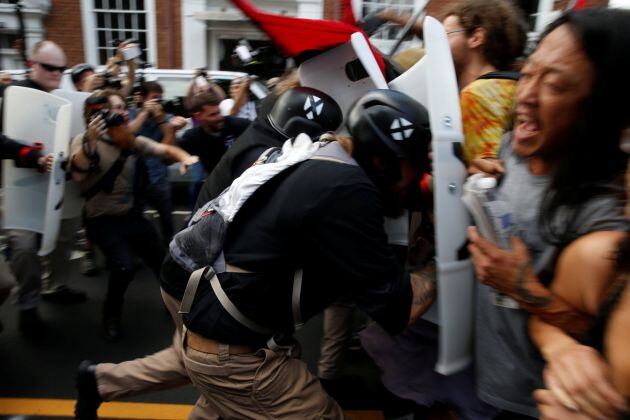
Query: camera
x: 175, y: 106
x: 109, y: 81
x: 129, y: 53
x: 99, y: 106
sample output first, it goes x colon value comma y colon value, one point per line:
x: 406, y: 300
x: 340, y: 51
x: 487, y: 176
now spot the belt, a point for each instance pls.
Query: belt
x: 208, y: 345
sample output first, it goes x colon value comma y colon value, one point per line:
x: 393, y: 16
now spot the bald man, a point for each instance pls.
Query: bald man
x: 47, y: 62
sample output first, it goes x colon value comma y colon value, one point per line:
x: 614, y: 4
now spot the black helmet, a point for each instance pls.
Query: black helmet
x: 392, y: 125
x: 305, y: 110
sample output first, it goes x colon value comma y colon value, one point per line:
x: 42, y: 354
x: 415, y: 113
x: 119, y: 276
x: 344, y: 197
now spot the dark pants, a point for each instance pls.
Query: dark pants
x: 158, y: 196
x: 117, y: 237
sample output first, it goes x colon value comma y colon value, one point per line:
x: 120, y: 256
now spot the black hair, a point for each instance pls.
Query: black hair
x: 149, y: 87
x: 593, y: 163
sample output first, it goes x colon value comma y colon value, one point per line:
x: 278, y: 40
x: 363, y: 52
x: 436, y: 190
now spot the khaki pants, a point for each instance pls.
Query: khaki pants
x: 338, y: 323
x: 161, y: 370
x: 258, y: 385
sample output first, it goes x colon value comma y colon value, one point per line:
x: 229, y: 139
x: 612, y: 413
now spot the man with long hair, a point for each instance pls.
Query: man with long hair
x: 563, y: 179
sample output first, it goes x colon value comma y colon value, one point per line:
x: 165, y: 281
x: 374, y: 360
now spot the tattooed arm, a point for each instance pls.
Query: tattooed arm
x: 424, y: 288
x: 511, y: 273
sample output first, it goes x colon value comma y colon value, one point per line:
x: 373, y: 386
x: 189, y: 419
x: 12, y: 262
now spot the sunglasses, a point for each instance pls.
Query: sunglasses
x: 51, y: 68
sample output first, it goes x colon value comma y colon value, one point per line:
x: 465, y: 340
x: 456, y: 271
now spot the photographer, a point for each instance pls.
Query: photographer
x: 151, y: 121
x: 239, y: 104
x: 202, y: 83
x: 85, y: 79
x: 103, y: 161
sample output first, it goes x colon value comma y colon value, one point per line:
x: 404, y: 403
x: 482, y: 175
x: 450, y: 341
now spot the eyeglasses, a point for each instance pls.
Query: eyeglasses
x: 51, y: 68
x: 454, y: 31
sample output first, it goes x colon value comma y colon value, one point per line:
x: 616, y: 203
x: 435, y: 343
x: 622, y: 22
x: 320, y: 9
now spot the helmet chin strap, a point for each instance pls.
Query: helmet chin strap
x: 275, y: 126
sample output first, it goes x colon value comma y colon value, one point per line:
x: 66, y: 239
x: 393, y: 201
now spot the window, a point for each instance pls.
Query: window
x: 107, y: 22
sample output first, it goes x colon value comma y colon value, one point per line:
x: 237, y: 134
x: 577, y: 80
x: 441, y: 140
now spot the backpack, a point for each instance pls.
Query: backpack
x: 199, y: 248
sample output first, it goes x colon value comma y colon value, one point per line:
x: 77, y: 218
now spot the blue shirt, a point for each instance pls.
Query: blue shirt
x: 156, y: 169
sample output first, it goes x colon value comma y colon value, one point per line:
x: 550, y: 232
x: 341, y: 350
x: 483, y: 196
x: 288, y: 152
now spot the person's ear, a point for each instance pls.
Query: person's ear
x: 477, y: 39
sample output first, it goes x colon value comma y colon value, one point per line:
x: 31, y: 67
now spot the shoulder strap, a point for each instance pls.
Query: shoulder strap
x: 106, y: 182
x: 335, y: 152
x: 509, y: 75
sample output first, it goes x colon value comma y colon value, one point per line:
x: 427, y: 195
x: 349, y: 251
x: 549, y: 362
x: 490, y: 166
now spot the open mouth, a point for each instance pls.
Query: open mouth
x: 527, y: 127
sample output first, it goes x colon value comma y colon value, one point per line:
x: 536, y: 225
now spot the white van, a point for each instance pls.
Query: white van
x: 174, y: 81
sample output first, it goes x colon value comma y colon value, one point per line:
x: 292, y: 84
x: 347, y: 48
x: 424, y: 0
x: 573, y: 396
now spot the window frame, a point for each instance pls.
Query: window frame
x: 90, y: 32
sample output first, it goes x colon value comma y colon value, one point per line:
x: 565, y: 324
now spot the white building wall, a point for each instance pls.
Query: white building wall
x: 33, y: 12
x: 206, y: 22
x: 194, y: 35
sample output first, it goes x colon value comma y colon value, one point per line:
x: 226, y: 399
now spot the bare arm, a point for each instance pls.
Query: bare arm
x: 576, y: 374
x: 511, y: 273
x: 168, y: 132
x: 617, y: 343
x: 141, y: 117
x: 402, y: 19
x: 170, y: 154
x: 424, y: 288
x: 130, y: 79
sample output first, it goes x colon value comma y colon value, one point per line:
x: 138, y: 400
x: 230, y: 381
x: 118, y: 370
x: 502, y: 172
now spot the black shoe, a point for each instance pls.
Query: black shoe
x: 88, y: 265
x: 64, y: 294
x: 111, y: 328
x: 31, y: 325
x: 88, y: 400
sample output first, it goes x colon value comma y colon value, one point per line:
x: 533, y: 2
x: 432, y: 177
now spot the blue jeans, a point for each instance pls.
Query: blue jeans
x: 118, y: 237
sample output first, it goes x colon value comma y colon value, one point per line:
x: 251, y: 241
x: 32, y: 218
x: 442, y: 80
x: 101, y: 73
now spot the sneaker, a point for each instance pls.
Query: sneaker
x: 88, y: 399
x: 46, y: 269
x: 31, y: 325
x: 63, y: 294
x: 88, y: 265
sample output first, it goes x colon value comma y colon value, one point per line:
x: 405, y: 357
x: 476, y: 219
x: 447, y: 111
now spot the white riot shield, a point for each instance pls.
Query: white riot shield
x: 328, y: 72
x: 33, y: 201
x: 72, y: 201
x: 432, y: 82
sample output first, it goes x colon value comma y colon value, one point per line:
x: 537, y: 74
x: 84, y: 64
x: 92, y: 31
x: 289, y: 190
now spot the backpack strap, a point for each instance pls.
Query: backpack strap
x: 334, y: 152
x: 228, y: 305
x: 106, y: 182
x: 296, y: 297
x: 508, y: 75
x: 191, y: 290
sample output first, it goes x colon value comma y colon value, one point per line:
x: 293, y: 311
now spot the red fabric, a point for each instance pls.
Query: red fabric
x: 25, y: 155
x: 348, y: 13
x: 424, y: 183
x: 24, y: 152
x: 579, y: 5
x: 297, y: 35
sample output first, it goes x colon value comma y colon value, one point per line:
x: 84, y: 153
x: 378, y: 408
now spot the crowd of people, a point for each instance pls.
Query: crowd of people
x: 292, y: 220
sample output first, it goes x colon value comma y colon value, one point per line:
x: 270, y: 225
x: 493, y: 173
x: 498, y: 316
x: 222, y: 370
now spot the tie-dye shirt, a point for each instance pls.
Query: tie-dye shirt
x: 487, y: 111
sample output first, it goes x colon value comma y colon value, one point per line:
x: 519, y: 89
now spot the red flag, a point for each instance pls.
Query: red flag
x: 576, y: 5
x: 579, y: 5
x: 297, y: 35
x: 348, y: 13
